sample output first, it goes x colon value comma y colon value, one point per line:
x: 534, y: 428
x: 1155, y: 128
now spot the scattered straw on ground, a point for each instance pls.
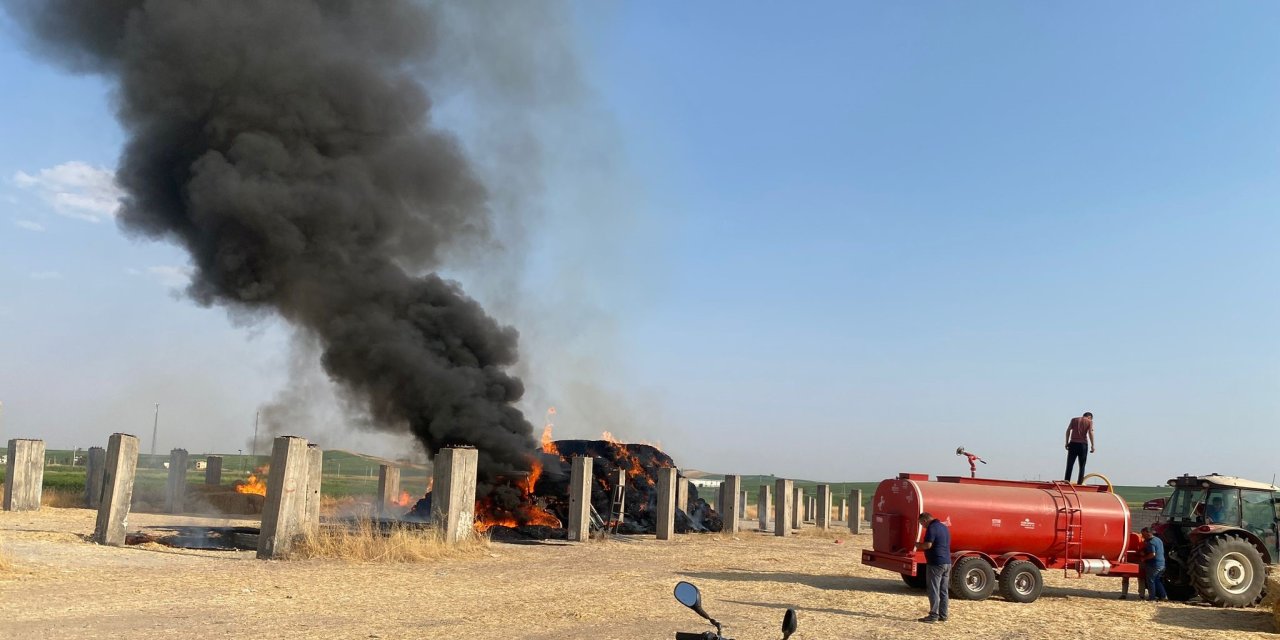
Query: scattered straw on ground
x: 365, y: 542
x: 62, y: 498
x: 619, y: 589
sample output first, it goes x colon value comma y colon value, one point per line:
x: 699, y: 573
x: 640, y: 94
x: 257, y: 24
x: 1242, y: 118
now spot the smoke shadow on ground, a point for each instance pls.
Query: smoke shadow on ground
x: 838, y: 612
x: 829, y: 582
x: 1206, y: 617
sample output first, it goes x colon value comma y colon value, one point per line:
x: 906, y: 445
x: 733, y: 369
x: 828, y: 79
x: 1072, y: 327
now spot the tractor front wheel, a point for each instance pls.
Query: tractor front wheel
x: 1227, y: 571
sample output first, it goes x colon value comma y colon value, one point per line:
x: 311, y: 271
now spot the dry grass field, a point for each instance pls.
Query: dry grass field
x: 60, y: 586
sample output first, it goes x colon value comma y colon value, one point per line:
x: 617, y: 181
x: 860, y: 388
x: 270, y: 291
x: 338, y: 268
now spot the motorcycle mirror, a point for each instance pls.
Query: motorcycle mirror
x: 688, y: 595
x: 789, y: 623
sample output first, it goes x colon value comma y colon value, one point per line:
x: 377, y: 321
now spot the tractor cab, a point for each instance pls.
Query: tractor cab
x: 1218, y: 532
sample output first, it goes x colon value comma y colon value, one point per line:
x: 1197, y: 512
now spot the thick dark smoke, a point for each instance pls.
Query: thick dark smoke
x: 287, y: 145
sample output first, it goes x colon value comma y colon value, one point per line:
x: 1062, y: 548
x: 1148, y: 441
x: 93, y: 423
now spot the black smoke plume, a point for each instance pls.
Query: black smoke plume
x: 288, y: 146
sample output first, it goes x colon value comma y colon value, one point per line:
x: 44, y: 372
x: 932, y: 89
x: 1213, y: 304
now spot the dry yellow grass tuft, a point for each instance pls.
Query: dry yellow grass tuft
x: 1273, y: 599
x: 62, y: 498
x: 366, y: 542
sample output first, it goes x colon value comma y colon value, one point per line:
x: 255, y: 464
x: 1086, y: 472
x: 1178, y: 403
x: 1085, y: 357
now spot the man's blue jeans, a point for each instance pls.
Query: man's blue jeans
x: 937, y: 582
x: 1155, y: 584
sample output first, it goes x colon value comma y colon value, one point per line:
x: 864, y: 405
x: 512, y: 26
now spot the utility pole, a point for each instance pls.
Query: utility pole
x: 255, y: 436
x: 155, y: 426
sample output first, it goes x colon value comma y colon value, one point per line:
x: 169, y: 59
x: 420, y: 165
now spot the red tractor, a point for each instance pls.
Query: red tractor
x: 1219, y: 533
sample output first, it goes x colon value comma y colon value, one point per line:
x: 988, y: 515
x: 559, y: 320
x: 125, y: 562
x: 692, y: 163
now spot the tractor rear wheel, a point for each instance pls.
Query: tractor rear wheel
x: 1021, y: 582
x: 972, y: 578
x: 1227, y: 571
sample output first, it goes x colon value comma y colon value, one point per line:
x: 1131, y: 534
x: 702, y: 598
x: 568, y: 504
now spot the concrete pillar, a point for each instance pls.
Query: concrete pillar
x: 94, y: 467
x: 453, y: 494
x: 117, y: 489
x: 388, y: 489
x: 682, y: 493
x: 824, y: 506
x: 797, y: 509
x: 842, y: 509
x: 855, y: 511
x: 763, y: 506
x: 743, y: 499
x: 813, y: 510
x: 580, y: 480
x: 24, y: 475
x: 213, y: 471
x: 311, y: 508
x: 175, y: 494
x: 782, y: 511
x: 666, y: 528
x: 733, y: 508
x: 286, y: 489
x: 620, y: 497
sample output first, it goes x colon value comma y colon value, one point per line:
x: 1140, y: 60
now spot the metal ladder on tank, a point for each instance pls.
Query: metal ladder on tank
x: 1070, y: 525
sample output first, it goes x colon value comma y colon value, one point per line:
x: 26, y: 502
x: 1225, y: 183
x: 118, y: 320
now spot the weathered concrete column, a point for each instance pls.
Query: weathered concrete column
x: 842, y: 509
x: 580, y: 480
x: 388, y: 489
x: 763, y: 506
x: 286, y: 490
x: 666, y: 527
x: 682, y: 493
x: 175, y: 494
x: 117, y: 489
x: 620, y: 486
x: 797, y: 509
x: 743, y: 499
x: 782, y: 511
x: 213, y: 471
x: 311, y: 502
x: 855, y: 511
x: 813, y: 510
x: 24, y: 475
x: 94, y: 466
x: 824, y: 506
x: 453, y: 493
x: 733, y: 508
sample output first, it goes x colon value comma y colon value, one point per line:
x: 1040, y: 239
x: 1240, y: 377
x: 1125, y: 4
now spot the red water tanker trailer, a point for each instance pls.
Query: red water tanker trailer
x: 1003, y: 532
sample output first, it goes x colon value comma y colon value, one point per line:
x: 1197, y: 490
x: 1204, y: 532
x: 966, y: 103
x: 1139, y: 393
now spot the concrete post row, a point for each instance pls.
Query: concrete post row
x: 783, y: 510
x: 855, y: 511
x: 119, y: 469
x: 580, y: 498
x: 840, y: 511
x: 95, y: 467
x: 24, y: 475
x: 286, y: 497
x: 175, y: 495
x: 763, y: 506
x: 213, y: 471
x: 797, y: 508
x: 682, y: 493
x: 388, y: 489
x: 666, y: 527
x: 824, y: 506
x: 453, y: 493
x: 732, y: 487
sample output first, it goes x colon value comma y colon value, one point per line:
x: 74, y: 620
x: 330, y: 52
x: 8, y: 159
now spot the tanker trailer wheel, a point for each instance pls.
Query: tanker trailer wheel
x: 972, y: 578
x: 1021, y: 582
x: 918, y: 581
x: 1227, y: 571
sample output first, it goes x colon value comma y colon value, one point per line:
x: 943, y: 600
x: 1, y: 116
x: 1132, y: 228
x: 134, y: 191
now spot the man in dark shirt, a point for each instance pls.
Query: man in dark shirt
x: 937, y: 555
x: 1080, y: 444
x: 1153, y: 559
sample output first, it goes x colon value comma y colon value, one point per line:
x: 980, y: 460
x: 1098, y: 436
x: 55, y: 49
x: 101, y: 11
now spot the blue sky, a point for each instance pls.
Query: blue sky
x: 856, y: 236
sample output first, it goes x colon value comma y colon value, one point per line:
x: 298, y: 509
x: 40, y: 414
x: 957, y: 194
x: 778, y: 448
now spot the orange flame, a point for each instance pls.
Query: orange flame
x: 548, y: 446
x: 404, y: 500
x: 488, y: 517
x: 253, y: 484
x: 625, y: 458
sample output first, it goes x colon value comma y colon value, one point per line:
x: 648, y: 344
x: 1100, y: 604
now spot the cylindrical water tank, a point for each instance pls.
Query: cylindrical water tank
x: 996, y: 517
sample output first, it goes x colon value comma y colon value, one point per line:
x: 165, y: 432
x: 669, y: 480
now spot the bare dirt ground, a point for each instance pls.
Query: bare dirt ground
x: 64, y: 587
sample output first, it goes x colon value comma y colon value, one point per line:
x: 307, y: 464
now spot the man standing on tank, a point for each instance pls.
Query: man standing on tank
x: 1079, y: 434
x: 937, y: 554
